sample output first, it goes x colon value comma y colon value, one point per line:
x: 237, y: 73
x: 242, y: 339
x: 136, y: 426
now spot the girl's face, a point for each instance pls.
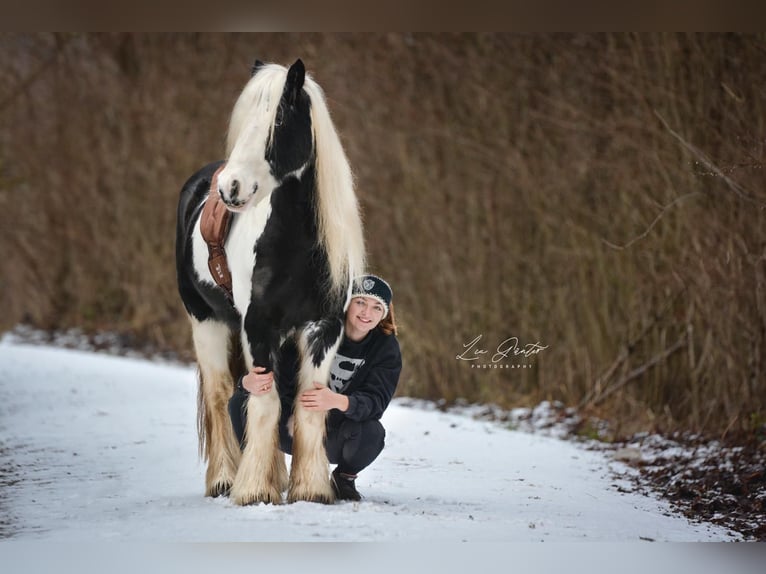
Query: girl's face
x: 363, y: 315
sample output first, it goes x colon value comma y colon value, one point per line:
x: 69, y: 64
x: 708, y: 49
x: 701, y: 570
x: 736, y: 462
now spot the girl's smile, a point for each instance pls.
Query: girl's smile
x: 363, y: 315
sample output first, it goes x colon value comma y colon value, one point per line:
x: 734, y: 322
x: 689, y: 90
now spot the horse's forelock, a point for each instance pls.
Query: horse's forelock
x: 260, y: 97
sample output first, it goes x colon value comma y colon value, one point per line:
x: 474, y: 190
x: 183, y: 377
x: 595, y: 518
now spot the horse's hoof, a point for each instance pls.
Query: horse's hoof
x: 218, y: 489
x: 247, y: 498
x: 294, y: 495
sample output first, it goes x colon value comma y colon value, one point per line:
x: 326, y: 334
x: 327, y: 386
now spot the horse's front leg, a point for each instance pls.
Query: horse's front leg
x: 262, y: 474
x: 309, y: 476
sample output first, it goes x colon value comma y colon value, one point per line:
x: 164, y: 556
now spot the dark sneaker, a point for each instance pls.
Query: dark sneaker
x: 344, y: 487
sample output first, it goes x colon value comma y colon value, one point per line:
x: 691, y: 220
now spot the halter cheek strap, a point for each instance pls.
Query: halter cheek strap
x: 214, y: 226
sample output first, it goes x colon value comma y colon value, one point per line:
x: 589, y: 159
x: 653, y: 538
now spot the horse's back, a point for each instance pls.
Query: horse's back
x: 193, y: 192
x: 201, y: 301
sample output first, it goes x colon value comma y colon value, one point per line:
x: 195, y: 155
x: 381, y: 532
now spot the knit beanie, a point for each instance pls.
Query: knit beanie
x: 373, y: 286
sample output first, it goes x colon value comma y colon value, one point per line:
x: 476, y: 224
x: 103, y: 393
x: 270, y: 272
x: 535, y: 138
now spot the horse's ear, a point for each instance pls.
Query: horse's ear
x: 256, y: 66
x: 295, y: 78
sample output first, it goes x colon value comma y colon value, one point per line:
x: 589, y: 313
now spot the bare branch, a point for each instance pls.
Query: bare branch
x: 595, y: 394
x: 635, y: 373
x: 662, y: 213
x: 709, y: 164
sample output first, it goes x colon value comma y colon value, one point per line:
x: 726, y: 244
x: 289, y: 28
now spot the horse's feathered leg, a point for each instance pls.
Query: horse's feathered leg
x: 309, y: 475
x: 262, y: 473
x: 217, y: 442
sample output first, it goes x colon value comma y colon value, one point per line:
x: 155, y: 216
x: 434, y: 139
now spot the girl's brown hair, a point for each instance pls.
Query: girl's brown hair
x: 388, y: 323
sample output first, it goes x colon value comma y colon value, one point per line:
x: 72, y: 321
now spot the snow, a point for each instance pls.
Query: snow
x: 97, y: 447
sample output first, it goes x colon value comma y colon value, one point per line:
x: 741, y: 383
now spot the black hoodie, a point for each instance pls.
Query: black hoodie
x: 367, y: 372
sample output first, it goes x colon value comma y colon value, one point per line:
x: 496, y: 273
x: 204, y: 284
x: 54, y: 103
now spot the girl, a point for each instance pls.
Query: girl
x: 363, y: 379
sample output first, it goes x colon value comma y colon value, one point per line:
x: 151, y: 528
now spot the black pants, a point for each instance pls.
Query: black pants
x: 352, y: 445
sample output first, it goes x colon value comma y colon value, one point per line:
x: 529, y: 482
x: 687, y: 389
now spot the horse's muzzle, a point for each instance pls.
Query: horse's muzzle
x: 232, y: 199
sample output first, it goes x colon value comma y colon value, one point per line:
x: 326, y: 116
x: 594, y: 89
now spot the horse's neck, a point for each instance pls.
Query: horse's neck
x: 245, y: 230
x: 249, y: 225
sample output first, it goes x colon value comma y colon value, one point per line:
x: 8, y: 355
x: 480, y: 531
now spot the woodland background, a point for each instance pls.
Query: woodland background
x: 601, y: 194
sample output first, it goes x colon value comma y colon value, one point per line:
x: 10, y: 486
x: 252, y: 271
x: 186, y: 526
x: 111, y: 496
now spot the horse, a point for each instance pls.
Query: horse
x: 294, y: 246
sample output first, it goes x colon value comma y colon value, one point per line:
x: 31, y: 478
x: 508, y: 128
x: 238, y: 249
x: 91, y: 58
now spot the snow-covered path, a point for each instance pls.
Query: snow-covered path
x: 100, y: 447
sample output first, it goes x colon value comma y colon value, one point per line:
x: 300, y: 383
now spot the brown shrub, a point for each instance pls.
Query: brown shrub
x: 601, y: 194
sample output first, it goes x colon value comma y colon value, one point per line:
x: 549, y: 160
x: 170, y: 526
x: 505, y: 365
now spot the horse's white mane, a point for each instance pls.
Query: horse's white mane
x: 339, y: 217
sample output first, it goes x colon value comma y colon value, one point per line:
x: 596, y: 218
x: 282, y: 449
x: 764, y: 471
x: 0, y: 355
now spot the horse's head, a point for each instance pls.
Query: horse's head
x: 270, y: 135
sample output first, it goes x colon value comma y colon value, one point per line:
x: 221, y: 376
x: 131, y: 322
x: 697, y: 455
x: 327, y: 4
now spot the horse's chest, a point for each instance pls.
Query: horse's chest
x: 245, y: 232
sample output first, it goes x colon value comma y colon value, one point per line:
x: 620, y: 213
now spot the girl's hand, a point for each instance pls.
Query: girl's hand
x: 257, y: 383
x: 321, y: 398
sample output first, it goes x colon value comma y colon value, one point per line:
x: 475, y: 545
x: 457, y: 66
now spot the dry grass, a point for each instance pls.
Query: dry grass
x: 601, y: 194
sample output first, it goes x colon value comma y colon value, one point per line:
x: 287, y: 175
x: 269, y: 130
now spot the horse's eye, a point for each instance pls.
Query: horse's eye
x: 279, y: 118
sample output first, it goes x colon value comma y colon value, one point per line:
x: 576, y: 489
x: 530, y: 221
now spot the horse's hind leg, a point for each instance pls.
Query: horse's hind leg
x: 218, y: 445
x: 309, y: 476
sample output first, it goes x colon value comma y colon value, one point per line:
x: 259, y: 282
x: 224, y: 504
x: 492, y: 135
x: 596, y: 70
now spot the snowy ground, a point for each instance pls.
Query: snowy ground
x: 97, y: 447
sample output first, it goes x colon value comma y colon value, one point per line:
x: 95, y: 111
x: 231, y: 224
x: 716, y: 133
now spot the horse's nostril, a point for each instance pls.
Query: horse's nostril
x: 234, y: 188
x: 255, y: 187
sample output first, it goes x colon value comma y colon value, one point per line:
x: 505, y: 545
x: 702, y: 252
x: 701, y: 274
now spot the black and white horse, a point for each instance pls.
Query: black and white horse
x: 294, y: 246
